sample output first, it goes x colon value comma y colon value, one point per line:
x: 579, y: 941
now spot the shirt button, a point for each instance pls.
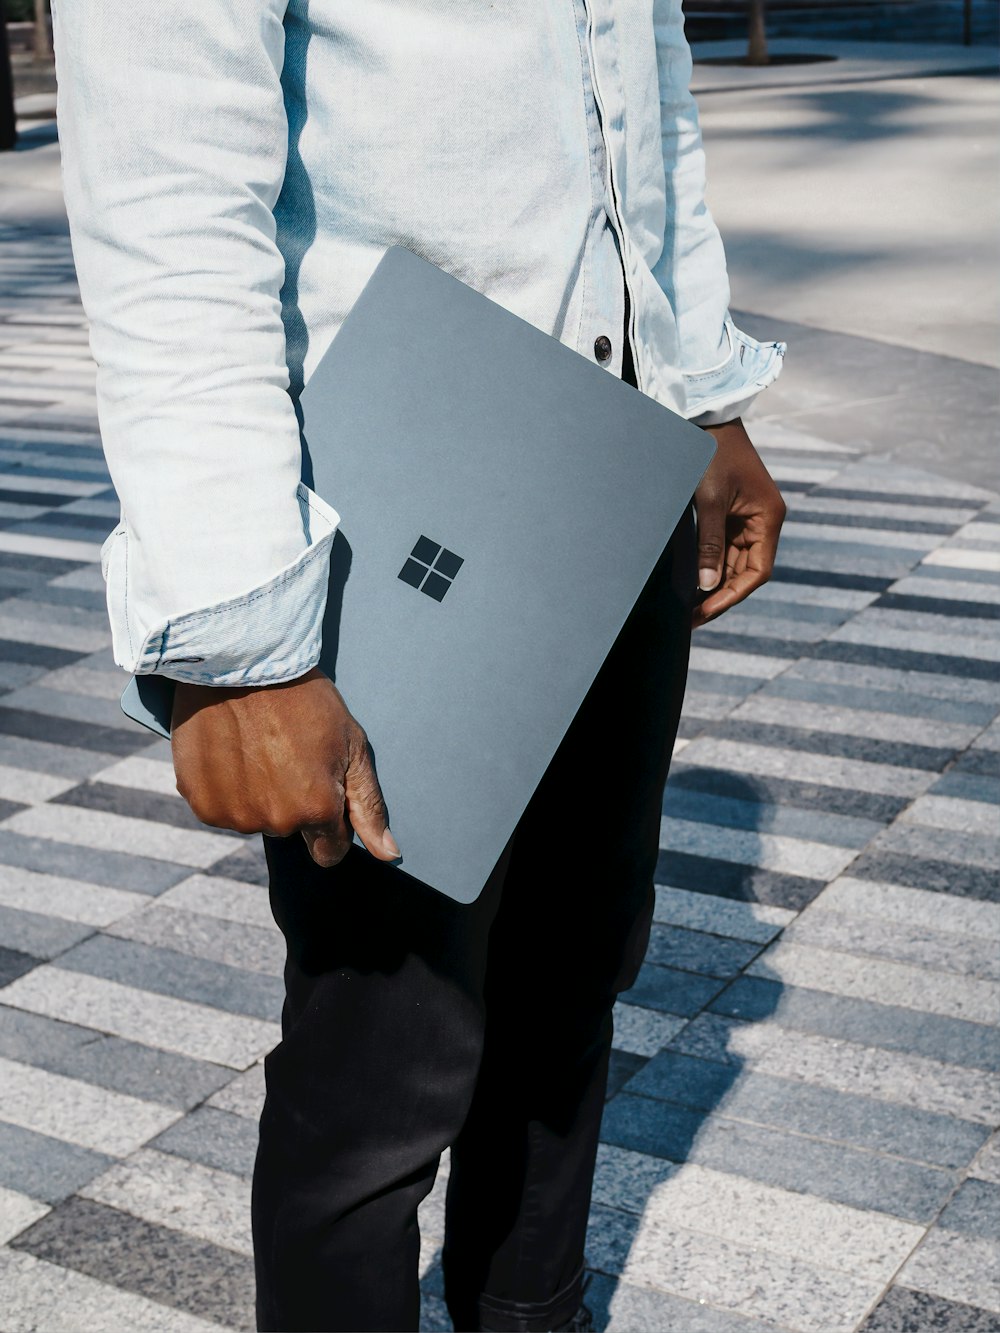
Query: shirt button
x: 602, y: 348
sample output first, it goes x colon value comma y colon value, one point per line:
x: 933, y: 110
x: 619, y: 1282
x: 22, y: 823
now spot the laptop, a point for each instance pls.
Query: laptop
x: 503, y: 502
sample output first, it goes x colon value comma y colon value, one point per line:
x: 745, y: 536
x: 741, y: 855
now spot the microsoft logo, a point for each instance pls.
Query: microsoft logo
x: 431, y: 568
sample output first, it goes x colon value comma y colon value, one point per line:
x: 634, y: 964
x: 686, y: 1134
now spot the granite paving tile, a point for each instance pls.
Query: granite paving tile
x: 169, y: 1191
x: 807, y: 1108
x: 107, y: 1061
x: 44, y: 1168
x: 787, y: 793
x: 868, y: 1244
x: 940, y: 606
x: 808, y: 686
x: 984, y: 762
x: 166, y: 971
x: 225, y: 899
x: 149, y: 1260
x: 78, y: 1112
x: 941, y: 844
x: 626, y: 1308
x: 243, y: 1095
x: 704, y: 1268
x: 921, y: 872
x: 731, y: 879
x: 855, y: 720
x: 135, y: 804
x: 907, y: 659
x: 975, y: 1209
x: 213, y: 1137
x: 15, y: 963
x: 143, y: 773
x: 769, y: 630
x: 754, y: 922
x: 695, y: 951
x: 248, y: 947
x: 895, y: 940
x: 900, y: 904
x: 39, y: 1295
x: 106, y: 832
x: 621, y: 1066
x: 671, y: 991
x: 69, y: 860
x: 72, y: 899
x: 245, y: 864
x: 875, y: 628
x: 73, y: 707
x: 44, y: 757
x: 748, y: 664
x: 932, y: 583
x: 27, y: 786
x: 888, y: 1027
x: 851, y: 507
x: 752, y: 812
x: 904, y: 1311
x: 835, y: 744
x: 811, y: 573
x: 17, y: 1211
x: 827, y: 770
x: 41, y: 937
x: 882, y: 981
x: 958, y: 1267
x: 151, y: 1019
x: 906, y: 1190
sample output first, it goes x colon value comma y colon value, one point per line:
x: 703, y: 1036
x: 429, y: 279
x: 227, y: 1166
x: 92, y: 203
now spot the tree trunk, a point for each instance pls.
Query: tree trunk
x: 757, y: 33
x: 43, y: 47
x: 8, y: 132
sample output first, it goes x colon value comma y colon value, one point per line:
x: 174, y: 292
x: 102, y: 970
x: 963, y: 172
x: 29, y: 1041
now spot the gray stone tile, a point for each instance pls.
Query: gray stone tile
x: 213, y: 1137
x: 922, y: 872
x: 73, y: 707
x: 46, y: 757
x: 865, y: 1180
x: 811, y: 825
x: 754, y: 922
x: 633, y: 1309
x: 938, y: 844
x: 118, y: 870
x: 45, y: 1168
x: 233, y: 943
x: 108, y: 1061
x: 41, y: 936
x: 886, y: 701
x: 167, y: 972
x: 987, y: 1163
x: 974, y: 1209
x: 958, y: 1267
x: 153, y: 1261
x: 695, y: 951
x: 670, y: 991
x: 803, y: 1108
x: 905, y: 1311
x: 945, y: 951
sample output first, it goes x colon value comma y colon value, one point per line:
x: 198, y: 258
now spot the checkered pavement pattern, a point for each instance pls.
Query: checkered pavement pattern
x: 799, y: 1134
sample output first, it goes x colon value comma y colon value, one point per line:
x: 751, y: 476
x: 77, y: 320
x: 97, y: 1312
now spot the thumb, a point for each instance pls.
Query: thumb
x: 365, y: 806
x: 711, y: 543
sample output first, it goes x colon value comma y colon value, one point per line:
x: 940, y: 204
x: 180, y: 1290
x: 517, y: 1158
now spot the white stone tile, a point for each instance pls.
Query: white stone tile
x: 228, y: 899
x: 71, y: 899
x: 918, y: 907
x: 860, y: 631
x: 107, y: 832
x: 826, y: 770
x: 643, y: 1031
x: 40, y: 1297
x: 758, y: 665
x: 855, y: 536
x: 880, y: 981
x: 141, y: 774
x: 870, y: 1245
x: 244, y: 1095
x: 987, y: 1163
x: 938, y: 844
x: 17, y: 1211
x: 155, y: 1020
x: 947, y: 812
x: 233, y: 943
x: 50, y: 633
x: 958, y: 1267
x: 978, y: 534
x: 792, y: 856
x: 78, y: 1112
x: 21, y: 784
x: 845, y: 721
x: 719, y: 916
x: 868, y: 1071
x: 15, y: 481
x: 880, y: 509
x: 86, y: 680
x: 948, y: 589
x: 174, y: 1192
x: 915, y: 684
x: 813, y: 594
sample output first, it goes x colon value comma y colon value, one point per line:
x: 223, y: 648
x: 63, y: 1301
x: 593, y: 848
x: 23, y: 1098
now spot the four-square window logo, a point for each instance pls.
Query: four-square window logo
x: 431, y: 568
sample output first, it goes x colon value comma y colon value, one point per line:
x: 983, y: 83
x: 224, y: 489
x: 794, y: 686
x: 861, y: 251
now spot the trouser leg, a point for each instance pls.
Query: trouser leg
x: 570, y: 933
x: 381, y: 1042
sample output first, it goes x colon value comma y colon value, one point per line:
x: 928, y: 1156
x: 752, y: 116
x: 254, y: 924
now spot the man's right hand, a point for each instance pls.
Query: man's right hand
x: 280, y: 759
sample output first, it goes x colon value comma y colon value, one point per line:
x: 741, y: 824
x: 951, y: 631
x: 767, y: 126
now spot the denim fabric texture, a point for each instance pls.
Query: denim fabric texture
x: 235, y: 169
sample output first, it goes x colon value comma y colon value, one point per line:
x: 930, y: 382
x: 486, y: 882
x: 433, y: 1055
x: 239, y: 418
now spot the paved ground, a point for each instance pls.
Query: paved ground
x: 801, y: 1130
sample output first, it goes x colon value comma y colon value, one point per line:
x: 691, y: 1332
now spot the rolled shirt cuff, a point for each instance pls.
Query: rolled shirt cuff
x: 265, y: 635
x: 726, y: 391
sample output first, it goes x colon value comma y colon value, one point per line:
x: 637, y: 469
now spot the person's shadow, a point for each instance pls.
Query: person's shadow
x: 663, y: 1106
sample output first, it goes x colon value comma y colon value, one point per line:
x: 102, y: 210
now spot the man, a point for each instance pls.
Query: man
x: 234, y: 170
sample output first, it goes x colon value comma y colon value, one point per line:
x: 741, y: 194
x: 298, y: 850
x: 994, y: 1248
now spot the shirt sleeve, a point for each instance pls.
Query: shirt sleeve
x: 723, y: 368
x: 173, y: 136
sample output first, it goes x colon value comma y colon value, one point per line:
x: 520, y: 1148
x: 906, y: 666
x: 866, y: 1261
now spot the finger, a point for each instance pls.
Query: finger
x: 328, y: 844
x: 711, y: 542
x: 366, y: 807
x: 734, y: 591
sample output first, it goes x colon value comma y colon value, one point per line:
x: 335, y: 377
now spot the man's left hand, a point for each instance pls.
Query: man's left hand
x: 740, y: 513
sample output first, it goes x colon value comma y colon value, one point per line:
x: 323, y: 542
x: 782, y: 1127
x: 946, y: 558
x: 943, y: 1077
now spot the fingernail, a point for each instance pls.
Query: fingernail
x: 391, y: 845
x: 707, y: 579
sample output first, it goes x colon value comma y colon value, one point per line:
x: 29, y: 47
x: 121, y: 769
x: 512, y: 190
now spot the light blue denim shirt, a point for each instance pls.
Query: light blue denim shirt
x: 235, y: 169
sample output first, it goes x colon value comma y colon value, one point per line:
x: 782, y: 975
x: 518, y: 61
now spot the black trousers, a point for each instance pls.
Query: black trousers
x: 412, y: 1023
